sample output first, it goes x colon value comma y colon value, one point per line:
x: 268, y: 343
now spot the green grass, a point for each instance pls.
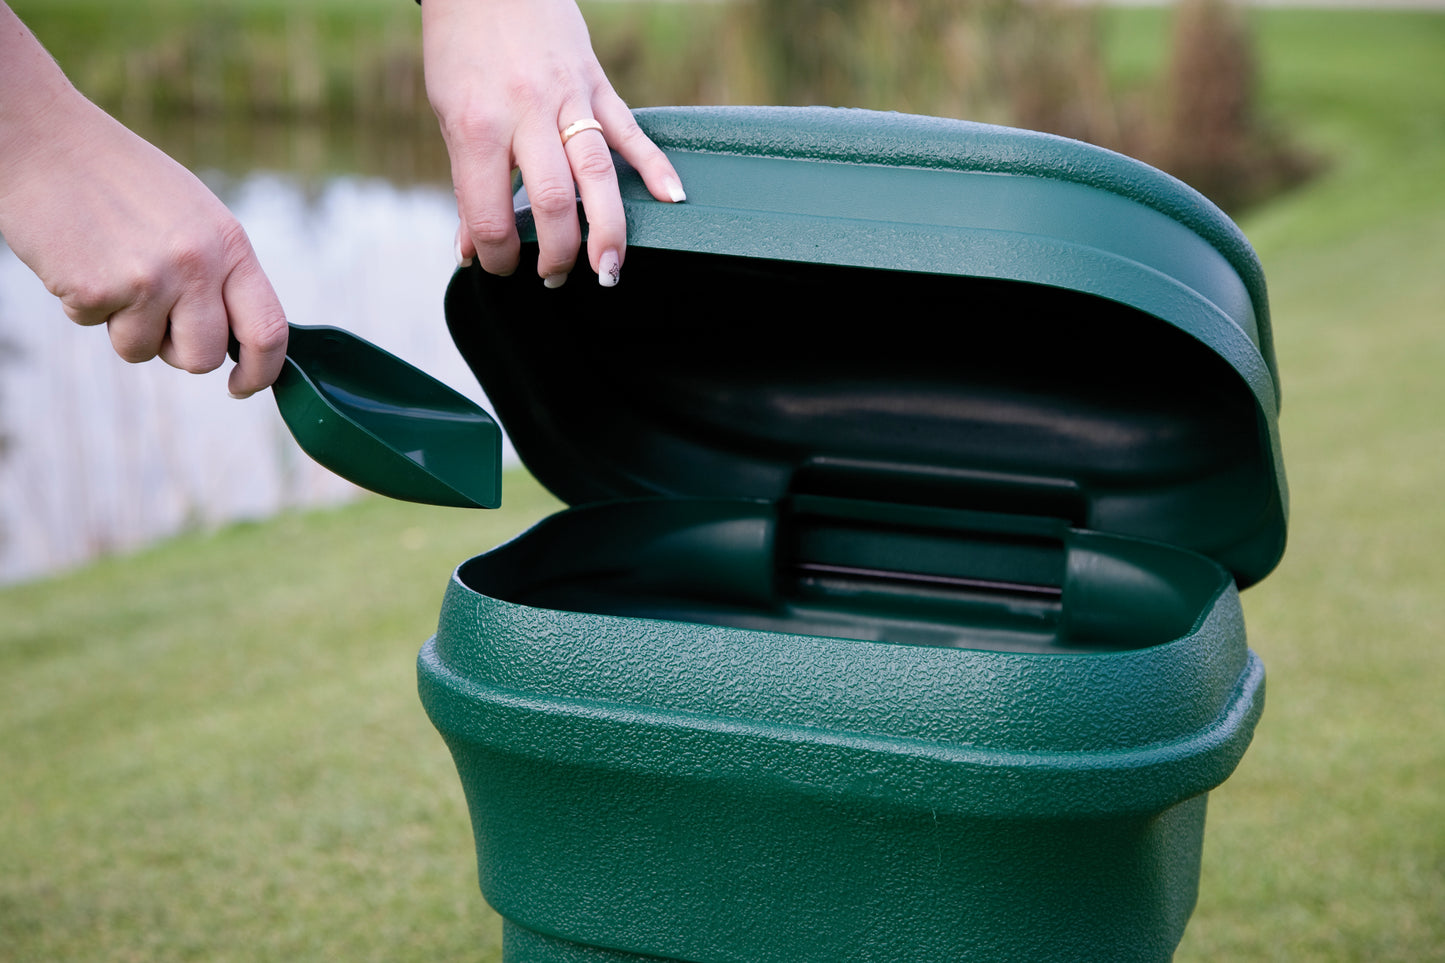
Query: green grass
x: 1329, y: 842
x: 213, y: 750
x: 340, y: 60
x: 321, y: 88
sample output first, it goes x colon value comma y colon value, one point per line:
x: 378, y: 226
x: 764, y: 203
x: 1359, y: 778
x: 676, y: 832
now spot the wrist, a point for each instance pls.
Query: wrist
x: 38, y: 104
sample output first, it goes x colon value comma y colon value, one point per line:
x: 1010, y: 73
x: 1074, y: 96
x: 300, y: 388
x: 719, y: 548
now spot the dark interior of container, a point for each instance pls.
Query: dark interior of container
x: 917, y: 454
x: 725, y: 376
x: 855, y: 570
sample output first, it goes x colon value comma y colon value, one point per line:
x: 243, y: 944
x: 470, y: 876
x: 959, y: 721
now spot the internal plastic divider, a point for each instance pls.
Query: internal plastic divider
x: 840, y: 568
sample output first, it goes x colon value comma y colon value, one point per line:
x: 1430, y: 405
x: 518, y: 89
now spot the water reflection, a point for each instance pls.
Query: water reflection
x: 105, y: 456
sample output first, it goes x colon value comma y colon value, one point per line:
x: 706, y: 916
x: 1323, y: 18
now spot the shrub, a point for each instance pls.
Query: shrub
x: 1210, y: 132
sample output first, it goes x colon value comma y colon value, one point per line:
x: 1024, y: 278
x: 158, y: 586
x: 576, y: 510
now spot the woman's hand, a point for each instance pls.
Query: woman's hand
x: 506, y: 78
x: 124, y: 235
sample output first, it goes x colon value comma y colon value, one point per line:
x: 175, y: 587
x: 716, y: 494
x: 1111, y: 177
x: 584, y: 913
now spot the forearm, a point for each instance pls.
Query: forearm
x: 123, y: 235
x: 36, y: 100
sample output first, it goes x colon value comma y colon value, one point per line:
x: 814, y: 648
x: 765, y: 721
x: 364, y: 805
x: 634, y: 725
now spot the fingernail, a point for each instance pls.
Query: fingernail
x: 554, y: 280
x: 675, y: 191
x: 238, y: 397
x: 609, y: 271
x: 457, y: 250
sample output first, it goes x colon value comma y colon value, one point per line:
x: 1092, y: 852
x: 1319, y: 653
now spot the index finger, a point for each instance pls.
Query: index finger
x: 259, y: 325
x: 635, y: 147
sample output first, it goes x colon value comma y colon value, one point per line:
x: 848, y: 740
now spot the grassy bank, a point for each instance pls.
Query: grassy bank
x: 332, y: 87
x: 332, y: 61
x: 213, y: 750
x: 1329, y: 843
x: 322, y: 88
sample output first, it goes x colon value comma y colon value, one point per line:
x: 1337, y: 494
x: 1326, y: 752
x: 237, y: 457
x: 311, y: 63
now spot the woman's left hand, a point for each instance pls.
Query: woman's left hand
x: 506, y: 79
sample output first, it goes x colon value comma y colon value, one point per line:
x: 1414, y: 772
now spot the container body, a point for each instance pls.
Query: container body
x: 738, y: 730
x: 915, y: 471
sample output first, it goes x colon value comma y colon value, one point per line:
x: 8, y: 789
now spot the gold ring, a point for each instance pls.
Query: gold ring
x: 578, y: 126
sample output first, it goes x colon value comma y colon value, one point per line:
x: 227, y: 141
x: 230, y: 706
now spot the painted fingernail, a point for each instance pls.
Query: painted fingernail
x: 609, y: 270
x: 457, y: 250
x: 554, y: 280
x: 675, y: 191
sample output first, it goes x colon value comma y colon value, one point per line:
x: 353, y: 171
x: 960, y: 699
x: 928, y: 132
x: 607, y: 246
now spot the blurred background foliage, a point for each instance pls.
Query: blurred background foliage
x: 218, y: 78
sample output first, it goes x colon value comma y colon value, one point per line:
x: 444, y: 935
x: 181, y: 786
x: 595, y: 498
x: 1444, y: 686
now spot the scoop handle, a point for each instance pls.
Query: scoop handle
x: 382, y: 424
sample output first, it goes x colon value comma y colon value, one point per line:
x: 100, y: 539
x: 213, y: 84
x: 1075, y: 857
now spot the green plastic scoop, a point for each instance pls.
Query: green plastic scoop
x: 382, y: 424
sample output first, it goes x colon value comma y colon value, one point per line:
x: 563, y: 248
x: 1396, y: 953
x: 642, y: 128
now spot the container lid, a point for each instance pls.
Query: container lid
x: 893, y: 307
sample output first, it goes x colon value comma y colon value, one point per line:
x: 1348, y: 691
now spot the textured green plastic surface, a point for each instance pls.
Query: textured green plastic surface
x: 382, y: 424
x: 858, y: 644
x: 661, y: 756
x: 799, y: 316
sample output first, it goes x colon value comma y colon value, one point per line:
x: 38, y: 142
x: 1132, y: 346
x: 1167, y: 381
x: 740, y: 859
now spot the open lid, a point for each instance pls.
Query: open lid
x: 903, y: 308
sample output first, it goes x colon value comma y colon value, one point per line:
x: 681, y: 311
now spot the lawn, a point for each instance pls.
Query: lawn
x: 1329, y: 841
x: 213, y: 750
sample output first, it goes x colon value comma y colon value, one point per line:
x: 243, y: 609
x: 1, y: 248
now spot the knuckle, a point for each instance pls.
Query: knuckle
x: 122, y: 282
x: 201, y: 365
x: 632, y: 136
x: 192, y: 258
x: 490, y: 228
x: 133, y: 350
x: 527, y: 94
x: 539, y: 88
x: 233, y: 241
x: 593, y: 163
x: 553, y: 198
x: 268, y: 332
x: 202, y: 249
x: 555, y: 259
x: 88, y: 296
x: 473, y: 130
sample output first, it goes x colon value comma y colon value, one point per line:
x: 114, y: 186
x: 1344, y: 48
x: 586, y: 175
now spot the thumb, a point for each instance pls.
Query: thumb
x: 258, y: 324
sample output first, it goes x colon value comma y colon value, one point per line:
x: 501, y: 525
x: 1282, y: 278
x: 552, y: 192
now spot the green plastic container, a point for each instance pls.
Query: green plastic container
x: 915, y: 466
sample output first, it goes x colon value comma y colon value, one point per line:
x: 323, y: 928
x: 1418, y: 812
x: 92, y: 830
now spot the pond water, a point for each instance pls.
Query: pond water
x: 103, y: 456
